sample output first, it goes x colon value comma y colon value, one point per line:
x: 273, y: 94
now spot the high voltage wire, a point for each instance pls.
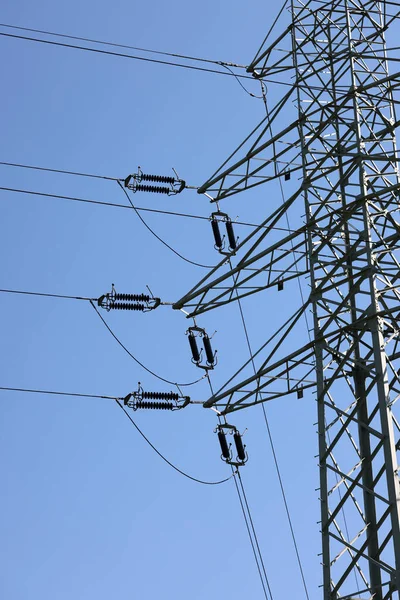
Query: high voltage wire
x: 137, y: 361
x: 117, y: 400
x: 103, y: 43
x: 92, y: 300
x: 163, y: 457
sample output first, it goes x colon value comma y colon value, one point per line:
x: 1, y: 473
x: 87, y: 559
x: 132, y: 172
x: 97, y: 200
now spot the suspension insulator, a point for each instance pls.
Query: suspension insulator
x: 152, y: 188
x: 157, y: 178
x: 160, y: 395
x: 231, y: 235
x: 131, y: 297
x: 239, y: 446
x: 216, y: 232
x: 208, y: 349
x: 193, y: 347
x: 154, y: 405
x: 224, y: 445
x: 125, y: 306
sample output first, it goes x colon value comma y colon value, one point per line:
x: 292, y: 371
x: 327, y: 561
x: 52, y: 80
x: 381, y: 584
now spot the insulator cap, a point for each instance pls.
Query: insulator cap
x: 157, y: 178
x: 125, y: 306
x: 239, y: 446
x: 160, y: 395
x: 216, y: 232
x: 224, y: 445
x: 152, y: 188
x: 193, y: 347
x: 154, y: 405
x: 208, y: 350
x: 231, y: 235
x: 131, y: 297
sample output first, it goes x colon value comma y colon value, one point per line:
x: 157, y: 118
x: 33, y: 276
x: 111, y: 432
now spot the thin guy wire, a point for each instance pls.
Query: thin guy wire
x: 273, y: 449
x: 84, y: 39
x: 192, y: 262
x: 164, y: 458
x: 258, y: 558
x: 116, y: 205
x: 9, y: 164
x: 138, y: 361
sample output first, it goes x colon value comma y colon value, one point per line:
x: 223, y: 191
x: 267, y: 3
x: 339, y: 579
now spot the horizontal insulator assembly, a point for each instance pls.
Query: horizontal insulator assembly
x: 152, y: 188
x: 239, y: 446
x: 157, y: 178
x: 224, y: 445
x: 131, y: 297
x: 193, y: 347
x: 231, y: 235
x: 154, y: 405
x: 160, y: 395
x: 208, y: 350
x: 125, y: 306
x: 216, y: 232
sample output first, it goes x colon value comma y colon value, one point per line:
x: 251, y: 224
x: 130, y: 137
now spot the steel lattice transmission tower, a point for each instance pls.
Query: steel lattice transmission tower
x: 341, y: 146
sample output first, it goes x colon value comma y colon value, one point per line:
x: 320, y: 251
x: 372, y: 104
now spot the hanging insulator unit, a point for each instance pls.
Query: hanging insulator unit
x: 226, y: 454
x: 231, y: 235
x: 241, y: 454
x: 221, y: 217
x: 138, y: 302
x: 194, y: 348
x: 217, y: 234
x: 208, y: 350
x: 193, y: 333
x: 134, y: 183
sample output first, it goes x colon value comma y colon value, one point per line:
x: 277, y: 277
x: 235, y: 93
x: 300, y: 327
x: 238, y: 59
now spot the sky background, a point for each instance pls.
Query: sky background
x: 88, y: 509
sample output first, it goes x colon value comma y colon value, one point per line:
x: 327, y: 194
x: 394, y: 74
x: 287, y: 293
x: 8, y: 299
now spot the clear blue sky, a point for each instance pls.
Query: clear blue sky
x: 88, y: 510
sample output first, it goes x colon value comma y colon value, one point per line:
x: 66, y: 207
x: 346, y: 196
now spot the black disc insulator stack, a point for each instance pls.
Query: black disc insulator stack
x: 193, y: 347
x: 208, y: 350
x: 231, y: 235
x: 152, y: 188
x: 239, y: 446
x: 224, y: 445
x: 133, y: 297
x: 157, y: 178
x: 160, y: 395
x: 154, y: 405
x: 216, y: 232
x: 126, y: 306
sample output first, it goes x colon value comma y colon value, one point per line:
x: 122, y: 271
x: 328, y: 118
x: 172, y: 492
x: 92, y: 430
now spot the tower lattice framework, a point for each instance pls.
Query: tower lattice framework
x: 342, y: 148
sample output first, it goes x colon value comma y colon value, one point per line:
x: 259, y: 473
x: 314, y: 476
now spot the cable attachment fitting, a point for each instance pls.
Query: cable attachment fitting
x: 226, y: 453
x: 165, y: 400
x: 139, y: 302
x: 221, y: 217
x: 197, y: 355
x: 134, y: 183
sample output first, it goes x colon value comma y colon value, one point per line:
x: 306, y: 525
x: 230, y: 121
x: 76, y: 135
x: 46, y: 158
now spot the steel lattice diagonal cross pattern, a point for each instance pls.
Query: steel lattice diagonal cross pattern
x: 341, y: 145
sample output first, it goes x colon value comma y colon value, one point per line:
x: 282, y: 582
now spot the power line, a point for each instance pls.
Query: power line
x: 46, y: 295
x: 138, y: 361
x: 114, y: 204
x: 115, y: 45
x: 53, y: 393
x: 164, y: 458
x: 62, y: 171
x: 122, y: 55
x: 192, y: 262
